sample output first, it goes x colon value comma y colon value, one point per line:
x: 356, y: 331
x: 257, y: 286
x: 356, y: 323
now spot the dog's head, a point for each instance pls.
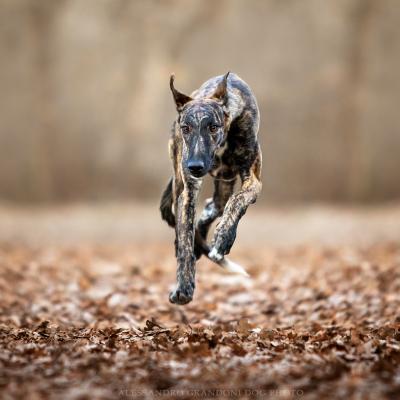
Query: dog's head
x: 201, y: 123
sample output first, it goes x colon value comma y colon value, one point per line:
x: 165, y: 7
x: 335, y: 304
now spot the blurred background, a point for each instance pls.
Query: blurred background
x: 85, y: 107
x: 85, y: 260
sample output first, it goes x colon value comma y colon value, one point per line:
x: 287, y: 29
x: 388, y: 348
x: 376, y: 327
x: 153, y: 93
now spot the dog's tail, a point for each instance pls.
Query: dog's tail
x: 231, y: 266
x: 223, y: 262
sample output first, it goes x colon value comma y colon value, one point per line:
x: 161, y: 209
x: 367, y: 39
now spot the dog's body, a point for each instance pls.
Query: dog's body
x: 216, y: 133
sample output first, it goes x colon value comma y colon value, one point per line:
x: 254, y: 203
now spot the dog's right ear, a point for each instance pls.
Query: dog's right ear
x: 180, y: 98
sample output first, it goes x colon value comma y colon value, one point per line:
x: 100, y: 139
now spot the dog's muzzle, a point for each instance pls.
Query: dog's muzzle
x: 196, y: 168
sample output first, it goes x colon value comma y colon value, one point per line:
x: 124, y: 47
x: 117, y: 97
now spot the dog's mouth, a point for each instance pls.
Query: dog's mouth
x: 198, y: 175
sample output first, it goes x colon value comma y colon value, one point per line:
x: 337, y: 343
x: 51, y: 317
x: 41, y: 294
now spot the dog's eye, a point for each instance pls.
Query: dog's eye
x: 186, y: 129
x: 213, y: 128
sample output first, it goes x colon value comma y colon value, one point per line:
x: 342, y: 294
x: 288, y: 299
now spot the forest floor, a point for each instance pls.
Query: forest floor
x: 84, y: 311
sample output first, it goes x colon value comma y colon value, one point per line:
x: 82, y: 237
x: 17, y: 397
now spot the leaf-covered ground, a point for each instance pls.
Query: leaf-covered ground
x: 83, y: 321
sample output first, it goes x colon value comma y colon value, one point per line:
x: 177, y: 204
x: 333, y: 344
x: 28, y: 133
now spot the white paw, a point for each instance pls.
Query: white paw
x: 214, y: 255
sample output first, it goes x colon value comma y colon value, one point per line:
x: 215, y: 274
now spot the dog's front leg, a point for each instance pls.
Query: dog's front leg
x: 225, y: 232
x: 185, y: 212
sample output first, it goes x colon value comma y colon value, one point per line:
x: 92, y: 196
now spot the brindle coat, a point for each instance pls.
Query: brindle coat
x: 215, y: 132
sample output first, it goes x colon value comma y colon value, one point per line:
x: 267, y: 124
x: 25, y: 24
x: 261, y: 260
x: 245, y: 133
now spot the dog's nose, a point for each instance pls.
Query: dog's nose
x: 196, y: 167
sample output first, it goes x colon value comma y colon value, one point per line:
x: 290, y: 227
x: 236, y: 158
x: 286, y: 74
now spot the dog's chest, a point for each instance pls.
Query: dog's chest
x: 221, y: 150
x: 224, y: 162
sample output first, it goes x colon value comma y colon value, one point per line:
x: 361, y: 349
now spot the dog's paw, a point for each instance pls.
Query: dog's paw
x: 222, y: 243
x: 215, y: 255
x: 181, y: 295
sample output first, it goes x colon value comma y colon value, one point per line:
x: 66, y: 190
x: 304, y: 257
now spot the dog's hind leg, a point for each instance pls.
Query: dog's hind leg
x: 166, y: 204
x: 213, y: 209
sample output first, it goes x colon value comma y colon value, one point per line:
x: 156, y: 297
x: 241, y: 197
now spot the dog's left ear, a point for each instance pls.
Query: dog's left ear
x: 221, y: 92
x: 180, y: 98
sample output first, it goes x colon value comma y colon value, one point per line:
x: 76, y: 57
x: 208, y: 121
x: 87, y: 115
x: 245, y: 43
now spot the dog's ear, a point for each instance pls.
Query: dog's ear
x: 180, y: 98
x: 221, y: 92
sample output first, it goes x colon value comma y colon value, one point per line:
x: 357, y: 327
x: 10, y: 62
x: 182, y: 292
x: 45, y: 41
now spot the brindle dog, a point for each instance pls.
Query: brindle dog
x: 216, y: 133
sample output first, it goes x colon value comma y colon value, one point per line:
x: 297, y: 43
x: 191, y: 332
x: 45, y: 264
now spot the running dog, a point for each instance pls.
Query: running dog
x: 215, y: 133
